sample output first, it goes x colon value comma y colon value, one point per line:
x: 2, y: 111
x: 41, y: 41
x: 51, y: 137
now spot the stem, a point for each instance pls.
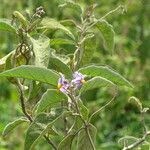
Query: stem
x: 89, y: 136
x: 22, y: 100
x: 107, y: 14
x: 112, y: 11
x: 137, y: 143
x: 79, y: 50
x: 84, y: 122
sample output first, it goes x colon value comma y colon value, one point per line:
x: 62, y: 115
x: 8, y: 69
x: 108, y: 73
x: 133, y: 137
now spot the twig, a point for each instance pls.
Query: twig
x: 137, y: 143
x: 107, y: 14
x: 112, y: 11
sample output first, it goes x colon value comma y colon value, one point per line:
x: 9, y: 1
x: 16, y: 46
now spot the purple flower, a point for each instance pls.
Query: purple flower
x: 63, y: 84
x: 78, y: 80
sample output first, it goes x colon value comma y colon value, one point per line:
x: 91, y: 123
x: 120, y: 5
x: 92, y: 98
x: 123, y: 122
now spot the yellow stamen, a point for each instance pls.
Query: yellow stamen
x: 59, y: 86
x: 83, y: 81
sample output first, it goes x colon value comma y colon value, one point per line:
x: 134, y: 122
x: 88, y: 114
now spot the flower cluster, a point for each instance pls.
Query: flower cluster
x: 76, y: 83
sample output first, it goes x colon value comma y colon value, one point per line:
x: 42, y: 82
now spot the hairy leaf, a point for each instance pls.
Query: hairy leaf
x: 5, y: 25
x: 95, y: 82
x: 49, y: 99
x: 48, y: 23
x: 4, y: 59
x: 59, y: 41
x: 89, y: 48
x: 39, y: 127
x: 66, y: 143
x: 84, y: 110
x: 58, y: 65
x: 41, y: 49
x: 73, y: 5
x: 108, y: 34
x: 9, y: 127
x: 107, y: 73
x: 34, y: 73
x: 83, y: 139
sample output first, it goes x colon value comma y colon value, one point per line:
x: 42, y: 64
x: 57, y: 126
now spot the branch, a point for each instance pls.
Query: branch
x: 107, y: 14
x: 137, y: 143
x: 22, y: 101
x: 112, y: 11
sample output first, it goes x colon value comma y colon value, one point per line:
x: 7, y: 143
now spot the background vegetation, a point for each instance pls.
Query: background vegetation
x: 131, y: 58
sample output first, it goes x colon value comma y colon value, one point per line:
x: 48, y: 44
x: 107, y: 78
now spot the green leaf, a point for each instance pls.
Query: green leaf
x: 96, y: 82
x: 73, y: 5
x: 108, y: 34
x: 59, y: 41
x: 5, y: 25
x: 34, y: 90
x: 49, y: 99
x: 84, y: 111
x: 66, y: 143
x: 48, y: 23
x: 41, y: 49
x: 34, y: 73
x: 89, y: 49
x: 39, y: 127
x: 107, y: 73
x: 21, y: 19
x: 59, y: 66
x: 83, y: 139
x: 4, y: 59
x: 9, y: 127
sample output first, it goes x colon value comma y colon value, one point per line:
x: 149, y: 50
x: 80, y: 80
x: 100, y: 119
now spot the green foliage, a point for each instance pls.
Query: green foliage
x: 84, y: 110
x: 3, y: 61
x: 5, y: 25
x: 59, y: 41
x: 11, y: 126
x: 66, y: 143
x: 41, y: 51
x: 34, y: 73
x: 49, y: 23
x: 84, y: 141
x: 58, y: 51
x: 49, y: 99
x: 96, y: 82
x: 41, y: 125
x: 108, y: 34
x: 57, y: 64
x: 107, y: 73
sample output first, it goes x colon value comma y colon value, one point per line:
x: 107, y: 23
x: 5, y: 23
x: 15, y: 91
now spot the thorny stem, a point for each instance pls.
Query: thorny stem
x: 137, y: 143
